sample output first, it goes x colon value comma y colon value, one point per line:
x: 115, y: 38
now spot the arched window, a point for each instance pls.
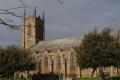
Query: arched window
x: 58, y: 63
x: 46, y: 64
x: 72, y: 62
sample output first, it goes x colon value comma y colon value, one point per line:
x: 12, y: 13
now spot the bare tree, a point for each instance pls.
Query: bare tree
x: 9, y: 12
x: 61, y: 2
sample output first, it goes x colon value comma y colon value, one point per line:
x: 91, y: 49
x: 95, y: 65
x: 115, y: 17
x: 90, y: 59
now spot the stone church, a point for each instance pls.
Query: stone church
x: 56, y: 56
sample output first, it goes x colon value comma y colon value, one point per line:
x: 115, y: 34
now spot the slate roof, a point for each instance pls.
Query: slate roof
x: 58, y: 43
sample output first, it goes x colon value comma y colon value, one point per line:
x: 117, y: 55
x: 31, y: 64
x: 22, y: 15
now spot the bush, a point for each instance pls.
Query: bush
x: 2, y: 78
x: 45, y: 76
x: 20, y: 79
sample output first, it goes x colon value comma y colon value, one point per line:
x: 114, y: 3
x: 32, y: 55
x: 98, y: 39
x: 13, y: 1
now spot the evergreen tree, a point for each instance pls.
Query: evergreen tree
x: 115, y: 51
x: 13, y: 59
x: 94, y: 50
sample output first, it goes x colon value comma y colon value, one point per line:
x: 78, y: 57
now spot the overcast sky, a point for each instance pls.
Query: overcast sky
x: 72, y: 19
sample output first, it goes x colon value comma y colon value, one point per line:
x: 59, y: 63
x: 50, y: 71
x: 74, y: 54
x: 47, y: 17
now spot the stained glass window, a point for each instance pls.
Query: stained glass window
x: 58, y: 63
x: 72, y: 62
x: 46, y: 64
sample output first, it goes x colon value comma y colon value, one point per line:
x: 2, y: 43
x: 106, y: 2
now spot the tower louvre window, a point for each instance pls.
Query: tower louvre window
x: 29, y: 32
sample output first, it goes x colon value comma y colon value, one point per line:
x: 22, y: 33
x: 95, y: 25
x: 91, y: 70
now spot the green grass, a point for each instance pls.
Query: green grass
x: 3, y: 78
x: 114, y: 78
x: 82, y: 78
x: 87, y: 78
x: 94, y: 78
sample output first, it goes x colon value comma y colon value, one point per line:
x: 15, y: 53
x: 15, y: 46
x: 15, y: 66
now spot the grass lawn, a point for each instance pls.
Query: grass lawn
x: 87, y: 78
x: 114, y: 78
x: 94, y: 78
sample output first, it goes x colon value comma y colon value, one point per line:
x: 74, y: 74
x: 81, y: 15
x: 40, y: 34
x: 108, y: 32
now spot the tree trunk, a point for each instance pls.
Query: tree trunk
x: 117, y: 71
x: 80, y: 69
x: 11, y: 77
x: 118, y: 74
x: 101, y: 74
x: 94, y: 69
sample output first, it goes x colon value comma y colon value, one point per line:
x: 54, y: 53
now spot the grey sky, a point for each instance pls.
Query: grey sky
x: 74, y: 18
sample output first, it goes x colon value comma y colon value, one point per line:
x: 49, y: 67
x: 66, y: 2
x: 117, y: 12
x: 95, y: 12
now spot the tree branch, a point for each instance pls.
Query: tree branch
x: 8, y: 12
x: 61, y: 2
x: 9, y: 25
x: 22, y: 3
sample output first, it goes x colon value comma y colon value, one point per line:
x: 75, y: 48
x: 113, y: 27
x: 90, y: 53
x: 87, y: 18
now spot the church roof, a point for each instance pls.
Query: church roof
x: 58, y: 43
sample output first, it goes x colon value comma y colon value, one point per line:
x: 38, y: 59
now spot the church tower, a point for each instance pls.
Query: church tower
x: 33, y: 30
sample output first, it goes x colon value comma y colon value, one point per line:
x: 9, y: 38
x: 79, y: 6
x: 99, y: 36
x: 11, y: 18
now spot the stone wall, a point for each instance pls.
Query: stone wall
x: 63, y: 61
